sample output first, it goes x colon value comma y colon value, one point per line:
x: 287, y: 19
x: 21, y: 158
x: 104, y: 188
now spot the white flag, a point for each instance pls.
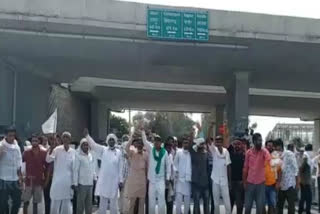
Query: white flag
x: 50, y: 126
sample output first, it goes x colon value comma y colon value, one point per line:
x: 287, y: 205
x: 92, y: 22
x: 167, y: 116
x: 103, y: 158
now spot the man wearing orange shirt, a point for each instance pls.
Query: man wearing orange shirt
x: 271, y: 180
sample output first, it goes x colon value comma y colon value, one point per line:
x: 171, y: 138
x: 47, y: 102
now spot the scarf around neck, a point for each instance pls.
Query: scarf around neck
x: 158, y: 158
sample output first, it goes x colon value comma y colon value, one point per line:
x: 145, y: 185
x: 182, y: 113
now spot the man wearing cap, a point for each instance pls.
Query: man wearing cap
x: 158, y: 173
x: 110, y: 175
x: 61, y: 191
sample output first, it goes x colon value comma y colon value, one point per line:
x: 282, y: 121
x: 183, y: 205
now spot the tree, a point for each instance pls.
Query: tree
x: 166, y: 123
x: 119, y: 126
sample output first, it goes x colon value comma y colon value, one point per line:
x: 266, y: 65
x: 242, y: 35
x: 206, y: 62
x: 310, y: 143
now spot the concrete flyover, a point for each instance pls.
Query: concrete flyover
x: 252, y: 63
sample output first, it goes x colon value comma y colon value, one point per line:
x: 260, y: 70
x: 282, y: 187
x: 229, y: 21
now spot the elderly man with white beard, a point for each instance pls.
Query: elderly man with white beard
x: 110, y: 175
x: 61, y: 191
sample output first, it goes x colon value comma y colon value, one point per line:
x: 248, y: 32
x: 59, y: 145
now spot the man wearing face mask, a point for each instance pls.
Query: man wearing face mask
x: 254, y: 175
x: 110, y: 175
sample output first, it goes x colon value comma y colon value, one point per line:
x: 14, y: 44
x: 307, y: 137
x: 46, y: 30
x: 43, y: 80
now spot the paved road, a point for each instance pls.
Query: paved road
x: 41, y: 210
x: 313, y: 211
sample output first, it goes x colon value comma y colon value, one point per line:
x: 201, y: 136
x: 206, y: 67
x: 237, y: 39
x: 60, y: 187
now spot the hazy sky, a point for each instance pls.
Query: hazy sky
x: 266, y: 124
x: 306, y: 8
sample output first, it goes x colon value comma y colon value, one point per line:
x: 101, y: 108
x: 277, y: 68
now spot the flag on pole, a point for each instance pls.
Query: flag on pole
x: 50, y: 126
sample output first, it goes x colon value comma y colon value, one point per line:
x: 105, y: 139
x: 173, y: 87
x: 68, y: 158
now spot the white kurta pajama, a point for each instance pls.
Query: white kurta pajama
x: 157, y: 182
x: 61, y: 192
x: 183, y: 170
x: 219, y: 176
x: 84, y: 175
x: 110, y: 176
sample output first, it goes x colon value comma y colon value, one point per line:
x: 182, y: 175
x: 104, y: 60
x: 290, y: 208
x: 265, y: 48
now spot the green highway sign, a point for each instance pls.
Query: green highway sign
x: 202, y: 27
x: 177, y: 25
x: 171, y: 24
x: 154, y: 23
x: 189, y: 26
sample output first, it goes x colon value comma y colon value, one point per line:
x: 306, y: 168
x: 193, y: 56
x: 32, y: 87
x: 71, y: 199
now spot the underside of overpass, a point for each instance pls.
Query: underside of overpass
x: 122, y: 94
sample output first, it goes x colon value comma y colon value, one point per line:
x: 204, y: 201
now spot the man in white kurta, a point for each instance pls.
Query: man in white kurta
x: 84, y: 175
x: 183, y: 170
x: 61, y: 191
x: 110, y: 175
x: 10, y: 172
x: 157, y: 177
x: 220, y: 176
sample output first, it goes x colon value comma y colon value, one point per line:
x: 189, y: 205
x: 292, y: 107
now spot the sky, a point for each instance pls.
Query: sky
x: 266, y: 124
x: 298, y: 8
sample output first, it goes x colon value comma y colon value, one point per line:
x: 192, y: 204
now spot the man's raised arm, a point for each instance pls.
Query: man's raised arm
x: 98, y: 149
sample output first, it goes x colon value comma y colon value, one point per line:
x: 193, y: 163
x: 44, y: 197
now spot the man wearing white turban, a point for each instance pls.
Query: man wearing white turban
x: 61, y: 191
x: 110, y: 175
x: 84, y: 174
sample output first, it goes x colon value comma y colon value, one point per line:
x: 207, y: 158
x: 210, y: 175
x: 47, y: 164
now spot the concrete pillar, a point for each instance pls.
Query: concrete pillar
x: 316, y: 135
x: 73, y: 110
x: 100, y: 124
x: 6, y: 95
x: 108, y: 120
x: 238, y: 102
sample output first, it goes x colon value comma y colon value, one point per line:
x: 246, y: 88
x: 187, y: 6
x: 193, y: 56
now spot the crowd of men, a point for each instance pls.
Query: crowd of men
x: 143, y: 174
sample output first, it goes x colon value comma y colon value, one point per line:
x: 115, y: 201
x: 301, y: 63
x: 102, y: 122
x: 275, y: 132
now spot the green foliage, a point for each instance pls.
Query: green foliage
x: 166, y: 123
x: 119, y: 126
